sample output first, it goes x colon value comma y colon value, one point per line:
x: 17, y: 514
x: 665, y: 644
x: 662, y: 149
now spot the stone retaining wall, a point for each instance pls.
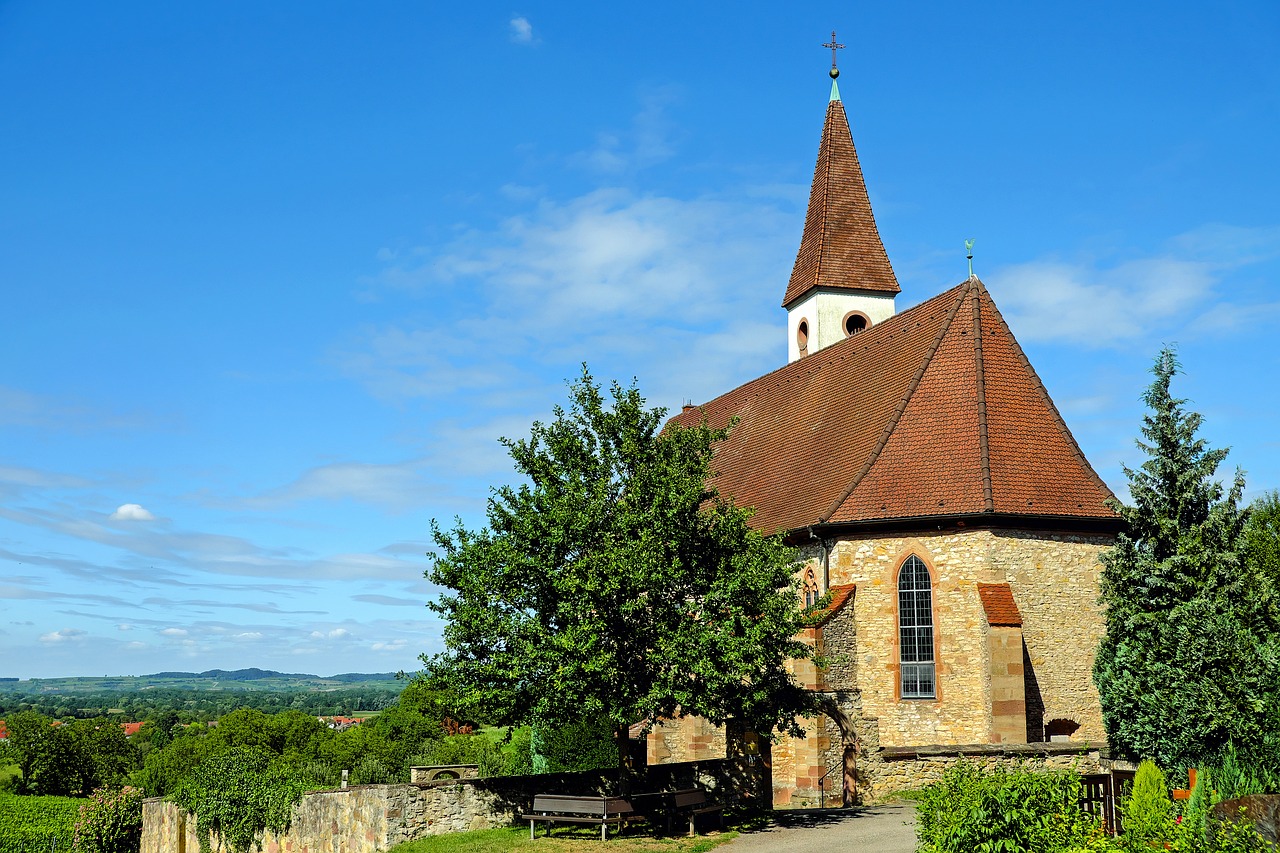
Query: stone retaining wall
x: 900, y: 768
x: 371, y: 818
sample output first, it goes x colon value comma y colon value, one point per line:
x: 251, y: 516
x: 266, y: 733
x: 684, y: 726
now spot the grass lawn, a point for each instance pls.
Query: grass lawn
x: 7, y: 772
x: 563, y: 840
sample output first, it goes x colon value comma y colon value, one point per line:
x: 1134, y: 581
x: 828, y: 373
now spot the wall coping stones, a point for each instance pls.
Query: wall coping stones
x: 1026, y: 750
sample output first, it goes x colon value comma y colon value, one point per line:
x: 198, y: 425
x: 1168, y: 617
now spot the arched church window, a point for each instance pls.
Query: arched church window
x: 915, y: 630
x: 854, y: 322
x: 810, y: 588
x: 802, y: 337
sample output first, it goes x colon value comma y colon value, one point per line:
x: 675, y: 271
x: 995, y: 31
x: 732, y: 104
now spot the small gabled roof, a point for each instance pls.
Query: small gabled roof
x: 998, y: 604
x: 840, y: 596
x: 841, y: 246
x: 933, y: 412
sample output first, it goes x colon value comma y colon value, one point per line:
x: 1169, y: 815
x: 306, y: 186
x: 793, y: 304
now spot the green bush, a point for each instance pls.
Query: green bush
x: 584, y: 745
x: 109, y: 822
x: 1004, y: 811
x: 1148, y: 811
x: 237, y: 795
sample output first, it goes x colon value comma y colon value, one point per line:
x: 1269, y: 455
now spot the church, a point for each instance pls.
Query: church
x: 946, y: 518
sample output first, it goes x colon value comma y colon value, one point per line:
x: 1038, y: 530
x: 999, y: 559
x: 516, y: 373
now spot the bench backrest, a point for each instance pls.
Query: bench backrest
x: 561, y: 804
x: 687, y: 799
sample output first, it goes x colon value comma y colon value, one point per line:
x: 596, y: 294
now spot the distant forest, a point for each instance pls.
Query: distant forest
x: 198, y: 696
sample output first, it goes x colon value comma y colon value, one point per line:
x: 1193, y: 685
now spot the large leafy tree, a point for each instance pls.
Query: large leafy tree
x: 616, y: 585
x: 1186, y: 665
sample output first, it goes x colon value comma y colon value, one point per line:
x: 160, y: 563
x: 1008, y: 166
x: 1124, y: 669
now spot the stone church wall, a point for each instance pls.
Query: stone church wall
x: 1055, y: 580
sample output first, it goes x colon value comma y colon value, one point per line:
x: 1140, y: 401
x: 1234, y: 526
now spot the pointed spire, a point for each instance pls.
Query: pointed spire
x: 840, y: 247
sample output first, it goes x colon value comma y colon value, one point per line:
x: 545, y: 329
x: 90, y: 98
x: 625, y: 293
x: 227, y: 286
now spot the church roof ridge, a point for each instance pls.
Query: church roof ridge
x: 931, y: 413
x: 840, y: 246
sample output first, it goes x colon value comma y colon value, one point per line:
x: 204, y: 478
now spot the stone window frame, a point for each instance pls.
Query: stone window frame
x: 810, y: 591
x: 896, y: 666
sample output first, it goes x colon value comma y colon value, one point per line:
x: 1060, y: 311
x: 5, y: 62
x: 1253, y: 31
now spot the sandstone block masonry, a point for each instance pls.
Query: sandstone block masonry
x: 1001, y: 684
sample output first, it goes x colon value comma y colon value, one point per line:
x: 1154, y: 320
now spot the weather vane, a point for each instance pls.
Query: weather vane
x: 968, y: 248
x: 834, y: 45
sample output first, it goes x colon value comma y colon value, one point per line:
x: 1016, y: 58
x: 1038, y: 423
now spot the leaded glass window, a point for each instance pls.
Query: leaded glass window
x: 915, y: 630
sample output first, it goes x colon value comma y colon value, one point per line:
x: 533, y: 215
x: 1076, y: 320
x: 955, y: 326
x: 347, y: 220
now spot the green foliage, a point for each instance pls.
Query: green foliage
x: 582, y: 745
x: 1147, y: 812
x: 237, y: 795
x: 33, y: 823
x: 66, y: 759
x: 616, y: 584
x: 109, y: 822
x: 1003, y: 811
x: 1236, y: 778
x: 518, y: 753
x: 1188, y: 663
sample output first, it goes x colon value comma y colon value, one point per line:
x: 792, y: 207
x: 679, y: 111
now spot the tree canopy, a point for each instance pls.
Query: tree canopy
x: 616, y: 584
x: 1187, y: 664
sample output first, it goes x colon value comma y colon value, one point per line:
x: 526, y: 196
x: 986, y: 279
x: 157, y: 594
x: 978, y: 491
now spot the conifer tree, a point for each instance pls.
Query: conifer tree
x: 1185, y: 666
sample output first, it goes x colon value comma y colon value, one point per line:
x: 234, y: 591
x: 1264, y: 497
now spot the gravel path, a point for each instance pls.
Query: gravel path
x: 874, y: 829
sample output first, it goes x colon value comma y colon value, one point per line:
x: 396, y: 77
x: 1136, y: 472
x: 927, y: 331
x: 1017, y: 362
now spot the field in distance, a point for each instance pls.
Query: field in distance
x: 213, y: 679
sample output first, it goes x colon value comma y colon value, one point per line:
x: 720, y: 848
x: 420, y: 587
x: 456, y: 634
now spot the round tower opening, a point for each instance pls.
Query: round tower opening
x: 854, y: 322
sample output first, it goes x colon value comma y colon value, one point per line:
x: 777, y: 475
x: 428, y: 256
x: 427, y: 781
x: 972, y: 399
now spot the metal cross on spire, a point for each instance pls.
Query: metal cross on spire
x: 834, y: 45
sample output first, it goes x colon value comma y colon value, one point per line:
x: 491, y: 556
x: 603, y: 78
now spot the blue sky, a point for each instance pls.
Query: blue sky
x: 277, y: 276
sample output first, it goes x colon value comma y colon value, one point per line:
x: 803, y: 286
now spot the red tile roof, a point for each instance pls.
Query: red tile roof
x: 840, y: 595
x: 130, y: 729
x: 841, y: 246
x: 933, y: 412
x: 1001, y: 609
x: 4, y: 733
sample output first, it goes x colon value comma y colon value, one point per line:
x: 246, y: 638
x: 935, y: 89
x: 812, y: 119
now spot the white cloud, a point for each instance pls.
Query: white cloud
x: 687, y: 288
x: 522, y: 31
x: 1099, y: 304
x: 391, y: 645
x: 131, y: 512
x: 66, y: 635
x: 393, y: 485
x: 339, y: 633
x: 124, y: 626
x: 174, y: 632
x: 247, y: 636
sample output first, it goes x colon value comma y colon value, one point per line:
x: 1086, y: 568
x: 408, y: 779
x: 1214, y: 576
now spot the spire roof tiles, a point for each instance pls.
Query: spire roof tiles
x: 841, y: 246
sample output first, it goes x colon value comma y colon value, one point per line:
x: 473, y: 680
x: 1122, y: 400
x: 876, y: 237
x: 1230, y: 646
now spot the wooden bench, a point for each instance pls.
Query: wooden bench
x: 685, y: 804
x: 556, y: 808
x: 692, y: 803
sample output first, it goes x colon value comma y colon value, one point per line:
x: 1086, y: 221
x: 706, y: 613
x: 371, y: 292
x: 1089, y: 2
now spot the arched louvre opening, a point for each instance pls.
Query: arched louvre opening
x: 915, y: 630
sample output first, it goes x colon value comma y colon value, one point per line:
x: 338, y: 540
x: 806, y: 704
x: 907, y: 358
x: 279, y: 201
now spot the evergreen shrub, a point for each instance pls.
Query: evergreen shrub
x: 972, y: 810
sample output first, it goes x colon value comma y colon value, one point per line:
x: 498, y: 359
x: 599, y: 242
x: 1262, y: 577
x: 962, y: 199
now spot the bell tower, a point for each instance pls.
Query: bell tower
x: 842, y: 281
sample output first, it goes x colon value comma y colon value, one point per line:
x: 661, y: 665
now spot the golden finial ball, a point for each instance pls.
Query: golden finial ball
x: 834, y: 72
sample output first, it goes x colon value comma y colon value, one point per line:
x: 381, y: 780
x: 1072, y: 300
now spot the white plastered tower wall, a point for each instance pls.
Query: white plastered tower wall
x: 824, y: 312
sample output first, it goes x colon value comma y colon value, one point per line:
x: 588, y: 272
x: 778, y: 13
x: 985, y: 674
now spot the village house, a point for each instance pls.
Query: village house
x: 942, y: 507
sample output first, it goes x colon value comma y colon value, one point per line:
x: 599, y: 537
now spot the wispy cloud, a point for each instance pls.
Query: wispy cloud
x: 1098, y: 303
x: 570, y: 282
x: 66, y: 635
x: 521, y: 30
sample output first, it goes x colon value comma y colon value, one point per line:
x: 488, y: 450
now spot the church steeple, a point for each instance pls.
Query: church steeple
x: 842, y: 281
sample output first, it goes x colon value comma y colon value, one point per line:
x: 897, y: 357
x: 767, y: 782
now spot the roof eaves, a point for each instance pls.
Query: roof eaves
x: 898, y: 410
